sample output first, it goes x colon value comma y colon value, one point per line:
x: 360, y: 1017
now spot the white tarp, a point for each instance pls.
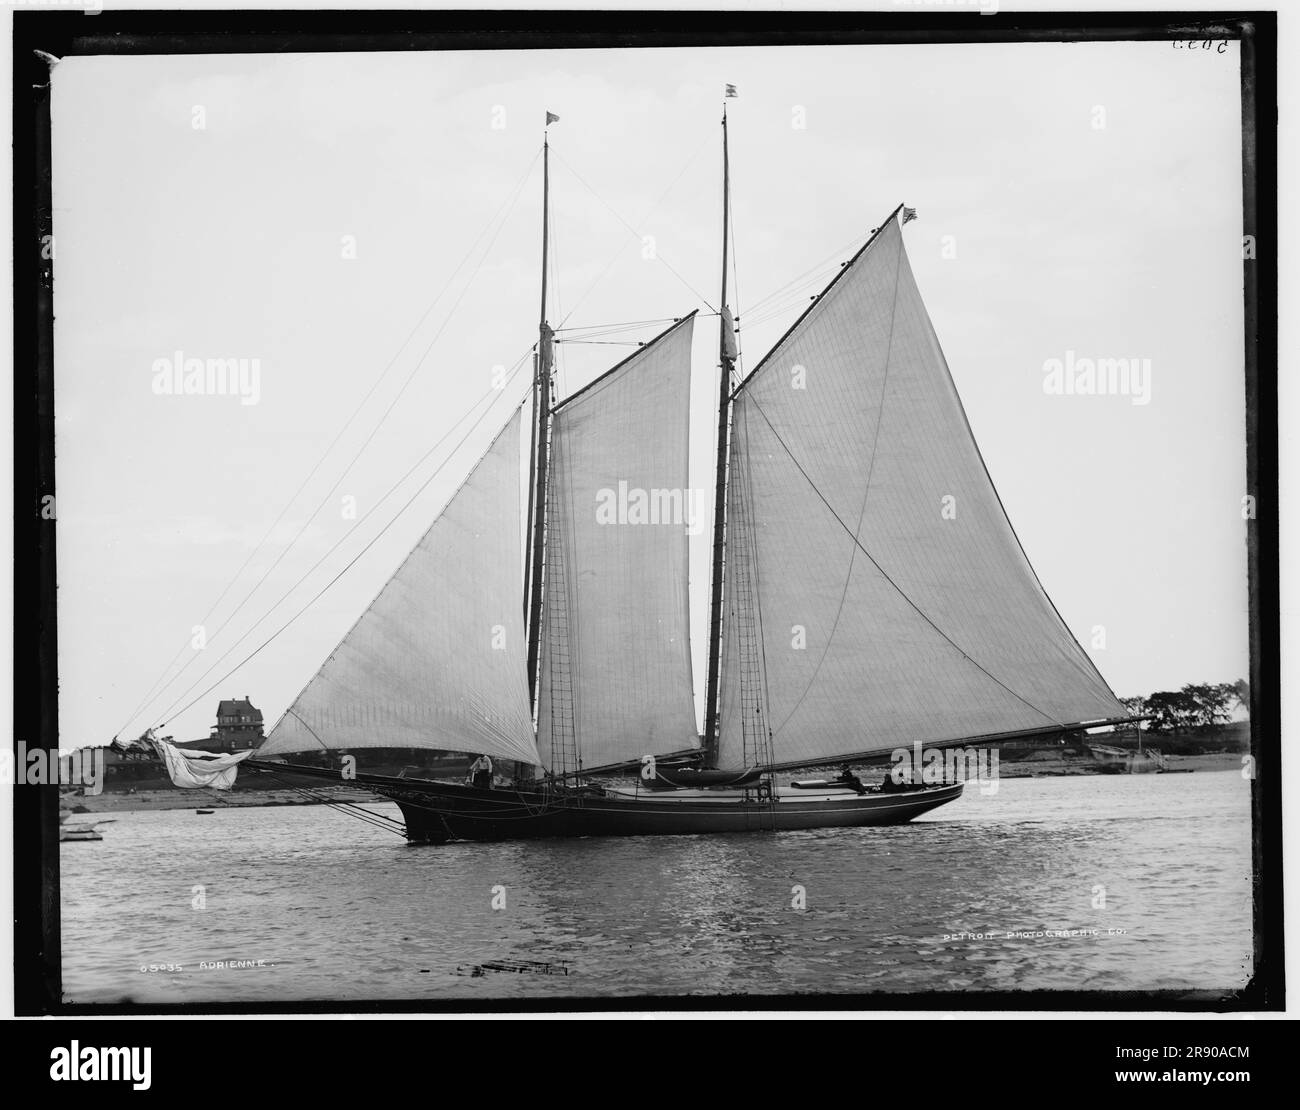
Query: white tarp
x: 190, y: 769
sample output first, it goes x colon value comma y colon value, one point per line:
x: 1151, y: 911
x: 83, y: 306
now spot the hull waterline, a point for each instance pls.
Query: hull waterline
x: 438, y: 813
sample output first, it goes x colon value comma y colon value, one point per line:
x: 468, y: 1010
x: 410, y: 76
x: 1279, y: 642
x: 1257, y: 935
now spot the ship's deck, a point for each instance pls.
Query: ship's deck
x: 783, y: 794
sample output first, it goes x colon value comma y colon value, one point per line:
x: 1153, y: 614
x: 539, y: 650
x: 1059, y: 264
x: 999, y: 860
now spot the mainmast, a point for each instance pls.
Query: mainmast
x: 727, y: 362
x: 538, y: 458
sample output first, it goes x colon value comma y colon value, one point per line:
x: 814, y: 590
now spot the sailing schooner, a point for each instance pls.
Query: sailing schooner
x: 868, y: 593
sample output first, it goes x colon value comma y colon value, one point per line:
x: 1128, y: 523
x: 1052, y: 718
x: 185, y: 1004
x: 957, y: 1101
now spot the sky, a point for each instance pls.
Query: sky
x: 367, y: 227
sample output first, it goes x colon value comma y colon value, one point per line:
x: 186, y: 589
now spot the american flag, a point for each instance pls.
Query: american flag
x: 909, y: 214
x: 731, y: 91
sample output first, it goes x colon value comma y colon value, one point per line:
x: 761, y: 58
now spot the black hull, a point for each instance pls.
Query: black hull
x: 436, y: 812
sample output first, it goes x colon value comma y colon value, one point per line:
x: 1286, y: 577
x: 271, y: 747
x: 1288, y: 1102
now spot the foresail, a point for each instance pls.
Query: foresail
x: 616, y: 657
x: 875, y: 593
x: 438, y: 660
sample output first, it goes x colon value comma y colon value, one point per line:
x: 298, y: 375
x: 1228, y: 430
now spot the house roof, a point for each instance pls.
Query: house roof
x: 238, y: 707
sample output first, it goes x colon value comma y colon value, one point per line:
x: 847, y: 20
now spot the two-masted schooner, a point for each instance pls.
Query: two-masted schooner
x: 868, y: 593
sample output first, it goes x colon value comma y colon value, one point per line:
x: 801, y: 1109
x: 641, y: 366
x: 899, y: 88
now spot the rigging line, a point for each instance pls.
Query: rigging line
x: 796, y: 299
x: 297, y: 717
x: 600, y: 333
x: 799, y: 279
x: 320, y: 593
x: 885, y: 574
x: 343, y: 539
x: 609, y: 333
x: 748, y: 495
x: 735, y: 280
x: 348, y: 809
x: 172, y: 711
x: 360, y: 450
x: 799, y: 305
x: 573, y: 628
x: 817, y: 279
x: 658, y: 256
x: 553, y: 288
x: 615, y: 324
x: 603, y: 342
x: 756, y: 320
x: 644, y: 216
x: 159, y: 684
x: 866, y: 493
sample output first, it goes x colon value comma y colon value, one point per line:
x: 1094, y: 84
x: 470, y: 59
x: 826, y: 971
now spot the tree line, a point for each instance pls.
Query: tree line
x: 1197, y: 707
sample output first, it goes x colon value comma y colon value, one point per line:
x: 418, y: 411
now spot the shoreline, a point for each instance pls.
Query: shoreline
x: 1057, y: 768
x: 145, y: 801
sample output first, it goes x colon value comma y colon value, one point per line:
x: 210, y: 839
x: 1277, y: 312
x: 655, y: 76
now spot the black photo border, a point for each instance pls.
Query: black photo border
x: 37, y: 973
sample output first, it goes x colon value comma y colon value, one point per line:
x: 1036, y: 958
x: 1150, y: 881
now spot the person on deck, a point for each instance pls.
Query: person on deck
x: 480, y: 772
x: 848, y: 778
x: 891, y: 784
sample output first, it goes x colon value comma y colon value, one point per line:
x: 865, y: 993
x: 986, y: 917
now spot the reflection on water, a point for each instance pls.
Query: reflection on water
x: 302, y: 903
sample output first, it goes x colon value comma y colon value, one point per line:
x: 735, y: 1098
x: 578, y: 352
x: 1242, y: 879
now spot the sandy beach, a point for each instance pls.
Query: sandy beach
x: 117, y: 801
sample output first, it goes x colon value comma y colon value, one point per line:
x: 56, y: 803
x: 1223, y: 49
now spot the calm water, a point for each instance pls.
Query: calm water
x: 339, y: 910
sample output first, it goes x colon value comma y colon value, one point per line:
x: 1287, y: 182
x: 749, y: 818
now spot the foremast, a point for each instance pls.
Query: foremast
x: 540, y: 451
x: 727, y: 363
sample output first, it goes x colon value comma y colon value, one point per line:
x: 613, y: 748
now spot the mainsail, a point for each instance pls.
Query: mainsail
x: 616, y: 659
x: 875, y: 592
x: 438, y: 659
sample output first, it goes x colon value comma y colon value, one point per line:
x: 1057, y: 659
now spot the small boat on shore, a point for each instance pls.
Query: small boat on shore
x: 81, y: 831
x: 1148, y: 761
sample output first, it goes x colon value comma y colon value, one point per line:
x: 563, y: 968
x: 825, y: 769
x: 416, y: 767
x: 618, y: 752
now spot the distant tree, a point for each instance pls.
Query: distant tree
x: 1241, y: 691
x: 1197, y: 706
x: 1171, y: 711
x: 1211, y: 703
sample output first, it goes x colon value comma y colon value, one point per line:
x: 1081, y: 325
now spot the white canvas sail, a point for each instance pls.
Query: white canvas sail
x: 875, y: 593
x: 616, y: 658
x: 438, y: 660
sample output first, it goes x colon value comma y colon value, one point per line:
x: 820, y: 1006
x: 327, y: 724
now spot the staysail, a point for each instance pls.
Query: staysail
x: 616, y: 658
x: 875, y: 592
x: 438, y: 660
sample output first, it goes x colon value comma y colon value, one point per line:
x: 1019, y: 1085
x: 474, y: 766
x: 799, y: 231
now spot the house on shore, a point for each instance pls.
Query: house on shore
x: 238, y: 728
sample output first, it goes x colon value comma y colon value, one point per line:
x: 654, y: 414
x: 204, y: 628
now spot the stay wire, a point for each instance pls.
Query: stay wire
x: 509, y: 208
x: 645, y: 216
x: 172, y: 711
x: 658, y: 256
